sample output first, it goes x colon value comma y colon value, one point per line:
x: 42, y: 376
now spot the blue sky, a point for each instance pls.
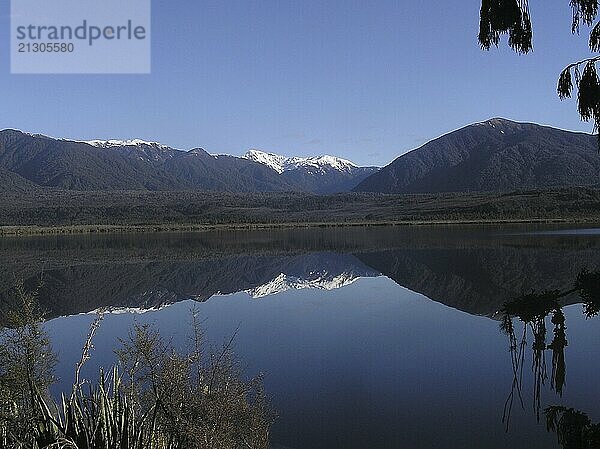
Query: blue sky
x: 363, y: 80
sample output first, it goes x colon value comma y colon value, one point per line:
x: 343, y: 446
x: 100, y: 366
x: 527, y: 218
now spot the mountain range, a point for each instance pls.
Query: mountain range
x: 494, y: 155
x: 28, y: 160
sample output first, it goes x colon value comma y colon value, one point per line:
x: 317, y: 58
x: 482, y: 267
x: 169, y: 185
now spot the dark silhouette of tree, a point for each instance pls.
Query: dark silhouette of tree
x: 532, y: 310
x: 573, y: 428
x: 511, y: 17
x: 588, y: 285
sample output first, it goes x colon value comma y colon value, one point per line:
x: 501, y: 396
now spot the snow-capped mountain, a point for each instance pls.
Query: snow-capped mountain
x: 138, y: 164
x: 317, y: 174
x: 281, y: 163
x: 315, y: 280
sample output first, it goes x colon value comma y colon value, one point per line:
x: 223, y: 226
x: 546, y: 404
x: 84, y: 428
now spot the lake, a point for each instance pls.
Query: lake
x: 379, y: 337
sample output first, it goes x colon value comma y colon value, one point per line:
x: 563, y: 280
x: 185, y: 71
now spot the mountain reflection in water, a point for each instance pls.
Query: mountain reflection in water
x: 471, y: 270
x: 376, y: 362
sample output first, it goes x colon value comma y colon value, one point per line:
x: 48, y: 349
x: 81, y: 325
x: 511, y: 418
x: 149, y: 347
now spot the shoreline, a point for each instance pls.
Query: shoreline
x: 35, y: 230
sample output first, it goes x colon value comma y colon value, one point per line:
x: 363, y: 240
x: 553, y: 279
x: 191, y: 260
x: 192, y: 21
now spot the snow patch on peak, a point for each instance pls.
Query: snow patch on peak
x: 126, y: 143
x: 218, y: 155
x: 272, y: 160
x: 332, y: 161
x: 498, y: 122
x: 281, y: 163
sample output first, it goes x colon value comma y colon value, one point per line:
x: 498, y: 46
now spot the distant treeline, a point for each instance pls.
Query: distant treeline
x: 130, y: 208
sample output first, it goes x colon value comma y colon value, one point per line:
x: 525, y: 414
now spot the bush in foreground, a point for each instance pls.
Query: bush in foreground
x: 154, y: 397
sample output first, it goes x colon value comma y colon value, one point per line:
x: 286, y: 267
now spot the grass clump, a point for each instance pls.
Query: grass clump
x: 154, y: 397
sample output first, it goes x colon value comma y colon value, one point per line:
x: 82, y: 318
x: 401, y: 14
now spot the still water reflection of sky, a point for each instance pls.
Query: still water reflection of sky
x: 371, y: 364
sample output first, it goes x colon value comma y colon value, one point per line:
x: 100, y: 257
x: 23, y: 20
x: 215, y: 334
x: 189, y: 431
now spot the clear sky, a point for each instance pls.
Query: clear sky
x: 363, y: 80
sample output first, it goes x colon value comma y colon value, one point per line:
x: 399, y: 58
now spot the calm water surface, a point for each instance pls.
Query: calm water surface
x: 374, y: 337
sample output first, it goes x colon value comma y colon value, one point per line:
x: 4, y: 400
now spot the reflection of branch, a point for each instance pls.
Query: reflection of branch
x: 517, y: 359
x: 538, y: 327
x: 559, y: 342
x: 533, y: 309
